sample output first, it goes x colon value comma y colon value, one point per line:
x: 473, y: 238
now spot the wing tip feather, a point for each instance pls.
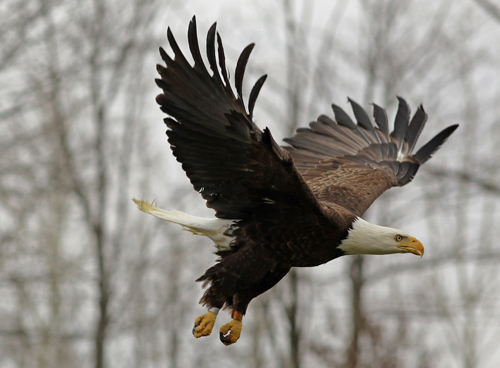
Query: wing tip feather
x: 431, y: 147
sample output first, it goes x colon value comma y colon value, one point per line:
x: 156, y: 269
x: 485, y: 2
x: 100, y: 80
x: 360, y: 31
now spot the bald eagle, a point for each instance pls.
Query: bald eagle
x: 277, y: 207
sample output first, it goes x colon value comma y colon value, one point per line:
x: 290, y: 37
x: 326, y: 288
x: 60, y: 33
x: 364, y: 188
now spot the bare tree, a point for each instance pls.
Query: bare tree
x: 86, y: 280
x: 84, y: 82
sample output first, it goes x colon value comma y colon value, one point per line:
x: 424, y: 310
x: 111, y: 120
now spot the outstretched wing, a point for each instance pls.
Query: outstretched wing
x: 352, y: 164
x: 239, y: 169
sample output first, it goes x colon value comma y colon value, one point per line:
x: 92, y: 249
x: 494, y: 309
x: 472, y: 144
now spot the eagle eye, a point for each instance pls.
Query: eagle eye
x: 398, y: 238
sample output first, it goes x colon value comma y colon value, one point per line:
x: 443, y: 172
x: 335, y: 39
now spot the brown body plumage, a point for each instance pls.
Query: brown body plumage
x: 293, y: 206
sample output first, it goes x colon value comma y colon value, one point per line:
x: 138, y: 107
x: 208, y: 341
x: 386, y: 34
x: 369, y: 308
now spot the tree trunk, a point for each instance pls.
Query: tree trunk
x: 357, y: 317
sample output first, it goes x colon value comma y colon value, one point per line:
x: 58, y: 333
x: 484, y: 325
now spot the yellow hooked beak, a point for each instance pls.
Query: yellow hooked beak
x: 412, y: 245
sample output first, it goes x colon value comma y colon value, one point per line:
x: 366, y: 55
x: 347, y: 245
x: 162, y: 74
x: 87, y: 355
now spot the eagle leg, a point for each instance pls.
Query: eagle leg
x: 204, y: 324
x: 231, y: 331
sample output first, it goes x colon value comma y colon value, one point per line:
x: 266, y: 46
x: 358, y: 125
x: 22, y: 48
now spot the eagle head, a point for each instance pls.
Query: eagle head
x: 367, y: 238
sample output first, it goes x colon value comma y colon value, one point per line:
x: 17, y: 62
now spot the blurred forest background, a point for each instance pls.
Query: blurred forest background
x: 86, y: 280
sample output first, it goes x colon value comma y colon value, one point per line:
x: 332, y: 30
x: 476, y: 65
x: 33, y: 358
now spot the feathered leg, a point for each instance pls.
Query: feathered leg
x: 234, y: 286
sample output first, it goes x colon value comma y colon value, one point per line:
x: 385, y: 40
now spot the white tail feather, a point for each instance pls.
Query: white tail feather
x: 214, y: 228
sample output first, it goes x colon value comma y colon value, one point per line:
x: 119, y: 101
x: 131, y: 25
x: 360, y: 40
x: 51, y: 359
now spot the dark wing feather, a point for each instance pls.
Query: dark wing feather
x: 343, y: 164
x: 240, y: 69
x: 195, y: 51
x: 364, y: 121
x: 380, y: 117
x: 239, y: 169
x: 254, y: 93
x: 416, y: 126
x: 401, y: 122
x: 212, y: 60
x: 433, y: 145
x: 222, y: 60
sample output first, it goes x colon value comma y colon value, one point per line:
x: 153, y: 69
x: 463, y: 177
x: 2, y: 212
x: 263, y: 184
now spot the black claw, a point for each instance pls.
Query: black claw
x: 224, y: 339
x: 194, y: 328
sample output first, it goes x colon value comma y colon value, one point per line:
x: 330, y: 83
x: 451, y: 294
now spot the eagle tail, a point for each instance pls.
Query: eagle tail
x: 216, y: 229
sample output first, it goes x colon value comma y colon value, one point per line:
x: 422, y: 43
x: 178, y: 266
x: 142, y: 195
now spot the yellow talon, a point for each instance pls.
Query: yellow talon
x: 231, y: 331
x: 204, y: 324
